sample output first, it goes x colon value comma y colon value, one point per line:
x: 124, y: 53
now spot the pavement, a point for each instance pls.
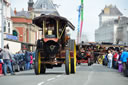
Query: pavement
x: 85, y: 75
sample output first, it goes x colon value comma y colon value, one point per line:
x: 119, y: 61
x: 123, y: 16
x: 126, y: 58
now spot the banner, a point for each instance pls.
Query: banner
x: 81, y: 26
x: 78, y: 29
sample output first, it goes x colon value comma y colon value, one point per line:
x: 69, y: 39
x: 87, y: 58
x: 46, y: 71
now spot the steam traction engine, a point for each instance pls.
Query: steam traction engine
x: 55, y: 48
x: 84, y: 54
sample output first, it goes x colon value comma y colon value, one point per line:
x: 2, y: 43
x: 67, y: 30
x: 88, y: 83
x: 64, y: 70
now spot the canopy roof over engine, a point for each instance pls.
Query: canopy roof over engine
x: 39, y: 20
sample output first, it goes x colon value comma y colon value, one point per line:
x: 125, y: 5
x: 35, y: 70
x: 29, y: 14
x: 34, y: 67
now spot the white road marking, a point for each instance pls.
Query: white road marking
x: 41, y: 83
x: 50, y: 79
x: 89, y: 77
x: 58, y: 76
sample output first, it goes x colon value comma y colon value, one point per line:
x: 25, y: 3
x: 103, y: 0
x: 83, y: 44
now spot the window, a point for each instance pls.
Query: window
x: 15, y: 33
x: 4, y: 26
x: 8, y: 24
x: 8, y: 27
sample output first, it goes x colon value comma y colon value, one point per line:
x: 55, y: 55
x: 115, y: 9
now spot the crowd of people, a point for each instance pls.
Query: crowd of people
x: 110, y: 55
x: 117, y: 59
x: 7, y: 60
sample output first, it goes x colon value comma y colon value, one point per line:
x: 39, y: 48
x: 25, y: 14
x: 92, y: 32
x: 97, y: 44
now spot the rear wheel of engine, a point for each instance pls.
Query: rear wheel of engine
x: 37, y: 63
x: 43, y: 69
x: 67, y: 63
x: 73, y: 66
x: 72, y: 46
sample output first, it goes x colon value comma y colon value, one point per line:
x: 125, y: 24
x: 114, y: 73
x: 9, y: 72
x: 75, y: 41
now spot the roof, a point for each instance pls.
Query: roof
x: 123, y: 20
x: 113, y: 11
x: 38, y: 20
x: 23, y: 13
x: 45, y: 6
x: 30, y: 1
x: 40, y: 4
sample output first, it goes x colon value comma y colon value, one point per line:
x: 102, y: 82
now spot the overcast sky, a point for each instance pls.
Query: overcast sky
x: 92, y: 8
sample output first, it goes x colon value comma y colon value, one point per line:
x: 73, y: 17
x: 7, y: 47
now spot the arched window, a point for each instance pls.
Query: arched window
x: 15, y: 33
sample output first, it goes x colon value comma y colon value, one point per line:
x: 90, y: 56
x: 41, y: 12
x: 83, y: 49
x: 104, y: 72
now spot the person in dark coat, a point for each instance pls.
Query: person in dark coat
x: 27, y: 60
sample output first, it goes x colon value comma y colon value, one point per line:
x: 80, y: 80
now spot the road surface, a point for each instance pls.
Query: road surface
x: 92, y: 75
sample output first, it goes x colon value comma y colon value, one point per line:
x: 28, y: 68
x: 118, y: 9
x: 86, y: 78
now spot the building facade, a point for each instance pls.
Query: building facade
x: 19, y: 32
x: 108, y: 25
x: 7, y: 26
x: 25, y: 30
x: 41, y: 7
x: 122, y: 31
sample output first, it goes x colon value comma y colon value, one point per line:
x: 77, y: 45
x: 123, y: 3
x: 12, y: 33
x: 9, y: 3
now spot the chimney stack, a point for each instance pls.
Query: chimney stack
x: 22, y: 9
x: 15, y: 12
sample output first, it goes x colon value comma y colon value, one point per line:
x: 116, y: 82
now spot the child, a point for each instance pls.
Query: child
x: 31, y: 62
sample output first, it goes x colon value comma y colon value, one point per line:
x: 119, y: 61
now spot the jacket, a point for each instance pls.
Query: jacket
x: 27, y: 56
x: 124, y: 56
x: 6, y: 54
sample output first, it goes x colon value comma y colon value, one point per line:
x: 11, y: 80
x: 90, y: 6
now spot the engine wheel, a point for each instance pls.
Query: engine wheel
x: 73, y: 66
x: 73, y: 60
x: 67, y: 62
x: 37, y: 63
x: 43, y: 69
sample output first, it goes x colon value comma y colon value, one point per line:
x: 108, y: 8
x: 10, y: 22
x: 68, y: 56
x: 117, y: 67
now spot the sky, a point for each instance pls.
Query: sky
x: 92, y: 8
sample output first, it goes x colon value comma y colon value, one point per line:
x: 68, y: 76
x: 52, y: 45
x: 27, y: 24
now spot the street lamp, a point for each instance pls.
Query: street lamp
x: 2, y: 31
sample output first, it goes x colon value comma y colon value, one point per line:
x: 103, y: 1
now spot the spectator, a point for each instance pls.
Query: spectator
x: 110, y: 59
x: 1, y: 62
x: 7, y: 60
x: 27, y: 60
x: 96, y: 54
x: 120, y: 66
x: 123, y: 58
x: 31, y: 62
x: 115, y: 59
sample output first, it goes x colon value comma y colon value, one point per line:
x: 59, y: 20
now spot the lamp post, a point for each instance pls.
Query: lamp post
x: 2, y: 26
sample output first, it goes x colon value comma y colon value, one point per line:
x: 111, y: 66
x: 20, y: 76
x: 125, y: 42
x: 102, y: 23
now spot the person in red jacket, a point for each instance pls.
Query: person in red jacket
x: 115, y: 59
